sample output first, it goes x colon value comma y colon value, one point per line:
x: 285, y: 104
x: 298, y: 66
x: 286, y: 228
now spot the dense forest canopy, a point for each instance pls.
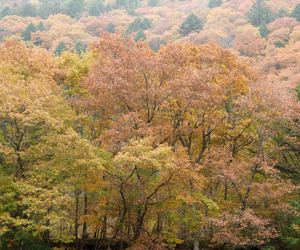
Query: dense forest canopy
x: 149, y: 124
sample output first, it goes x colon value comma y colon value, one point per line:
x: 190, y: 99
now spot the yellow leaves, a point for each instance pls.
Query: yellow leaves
x: 142, y: 154
x: 76, y: 68
x: 70, y: 152
x: 296, y: 228
x: 19, y: 63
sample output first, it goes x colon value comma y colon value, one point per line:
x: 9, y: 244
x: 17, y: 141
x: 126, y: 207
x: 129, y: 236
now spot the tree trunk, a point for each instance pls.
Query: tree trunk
x: 84, y: 228
x: 76, y: 219
x: 140, y: 222
x: 196, y: 244
x: 225, y: 190
x: 47, y: 233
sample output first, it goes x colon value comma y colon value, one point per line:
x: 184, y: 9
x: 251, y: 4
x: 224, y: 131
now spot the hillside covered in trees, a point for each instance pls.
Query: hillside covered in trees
x: 149, y: 125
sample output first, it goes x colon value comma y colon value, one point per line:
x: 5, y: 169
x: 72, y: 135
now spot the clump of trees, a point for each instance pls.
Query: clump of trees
x: 145, y: 148
x: 114, y: 143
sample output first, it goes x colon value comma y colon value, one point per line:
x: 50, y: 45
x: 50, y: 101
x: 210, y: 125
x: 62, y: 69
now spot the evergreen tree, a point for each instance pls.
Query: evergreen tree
x: 111, y: 28
x: 108, y: 7
x: 129, y: 5
x: 191, y: 24
x: 214, y: 3
x: 279, y: 44
x: 26, y: 35
x: 140, y: 36
x: 152, y: 3
x: 263, y: 30
x: 6, y: 11
x: 80, y: 47
x: 296, y: 12
x: 155, y: 43
x: 28, y: 10
x: 139, y: 25
x: 75, y: 8
x: 61, y: 47
x: 41, y: 26
x: 281, y: 13
x: 135, y: 25
x: 49, y: 7
x: 96, y: 8
x: 259, y: 13
x: 146, y: 24
x: 38, y: 41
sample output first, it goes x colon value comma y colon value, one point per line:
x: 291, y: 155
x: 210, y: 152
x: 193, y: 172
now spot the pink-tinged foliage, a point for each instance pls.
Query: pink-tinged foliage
x: 241, y: 229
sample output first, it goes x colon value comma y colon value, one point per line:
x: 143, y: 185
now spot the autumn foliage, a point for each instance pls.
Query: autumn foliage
x: 188, y: 139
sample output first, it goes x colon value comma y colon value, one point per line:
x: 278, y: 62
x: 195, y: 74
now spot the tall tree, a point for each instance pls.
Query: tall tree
x: 296, y: 12
x: 140, y: 36
x: 26, y: 35
x: 260, y: 13
x: 96, y: 8
x: 6, y: 11
x: 29, y: 10
x: 49, y: 7
x: 191, y: 24
x: 61, y: 47
x: 74, y: 8
x: 263, y: 30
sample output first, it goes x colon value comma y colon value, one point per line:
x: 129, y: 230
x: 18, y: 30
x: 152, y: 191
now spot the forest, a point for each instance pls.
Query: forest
x: 149, y: 124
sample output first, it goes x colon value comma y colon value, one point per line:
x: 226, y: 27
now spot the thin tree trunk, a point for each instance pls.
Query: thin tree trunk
x: 225, y: 190
x: 196, y: 244
x: 76, y: 219
x: 84, y: 228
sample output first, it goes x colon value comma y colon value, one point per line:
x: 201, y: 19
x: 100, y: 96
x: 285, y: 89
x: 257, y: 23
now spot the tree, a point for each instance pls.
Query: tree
x: 41, y: 26
x: 49, y: 7
x: 281, y: 13
x: 191, y: 24
x: 29, y: 10
x: 296, y: 12
x: 146, y: 24
x: 155, y: 43
x: 140, y: 36
x: 26, y: 35
x: 139, y: 25
x: 279, y: 44
x: 96, y: 8
x: 214, y: 3
x: 25, y: 123
x: 259, y: 13
x: 111, y: 28
x: 152, y: 3
x: 129, y: 5
x: 61, y: 47
x: 75, y: 8
x: 243, y: 229
x: 263, y: 30
x: 38, y: 41
x: 6, y: 11
x: 80, y: 47
x: 153, y: 178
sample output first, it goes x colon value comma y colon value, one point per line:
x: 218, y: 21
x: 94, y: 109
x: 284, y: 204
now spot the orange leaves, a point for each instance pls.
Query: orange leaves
x: 129, y: 77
